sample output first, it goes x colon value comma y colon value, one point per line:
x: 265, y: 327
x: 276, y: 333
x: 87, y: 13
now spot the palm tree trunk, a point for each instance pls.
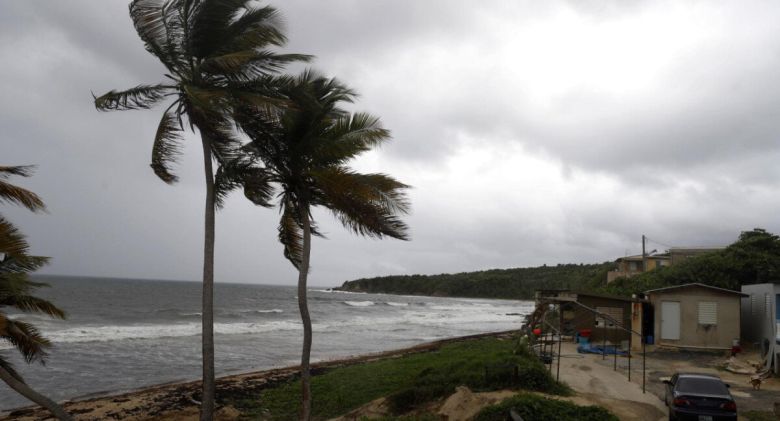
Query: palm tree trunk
x: 207, y: 322
x: 26, y: 391
x: 303, y: 306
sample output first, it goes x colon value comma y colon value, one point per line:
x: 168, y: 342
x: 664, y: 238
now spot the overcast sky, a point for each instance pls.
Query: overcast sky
x: 532, y: 132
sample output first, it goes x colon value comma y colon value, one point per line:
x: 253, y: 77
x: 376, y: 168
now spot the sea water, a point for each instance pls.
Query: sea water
x: 122, y: 334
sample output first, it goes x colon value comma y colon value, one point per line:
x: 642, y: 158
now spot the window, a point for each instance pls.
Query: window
x: 613, y: 314
x: 708, y: 312
x: 752, y: 304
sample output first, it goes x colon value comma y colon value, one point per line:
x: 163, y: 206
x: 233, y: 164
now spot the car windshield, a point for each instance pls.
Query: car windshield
x: 702, y: 386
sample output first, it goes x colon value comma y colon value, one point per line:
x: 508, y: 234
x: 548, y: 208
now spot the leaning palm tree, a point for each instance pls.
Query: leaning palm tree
x: 301, y: 157
x: 217, y: 55
x: 16, y: 290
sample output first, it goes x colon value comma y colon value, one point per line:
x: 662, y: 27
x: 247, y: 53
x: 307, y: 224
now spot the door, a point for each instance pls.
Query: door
x: 670, y: 320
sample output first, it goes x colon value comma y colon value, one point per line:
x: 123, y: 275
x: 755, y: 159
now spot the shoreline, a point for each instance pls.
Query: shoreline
x: 179, y: 399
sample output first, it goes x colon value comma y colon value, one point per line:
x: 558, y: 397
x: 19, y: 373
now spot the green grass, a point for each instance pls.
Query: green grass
x: 537, y: 408
x: 409, y: 380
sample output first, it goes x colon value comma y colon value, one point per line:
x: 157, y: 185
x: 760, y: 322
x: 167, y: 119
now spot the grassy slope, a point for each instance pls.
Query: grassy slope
x: 341, y: 390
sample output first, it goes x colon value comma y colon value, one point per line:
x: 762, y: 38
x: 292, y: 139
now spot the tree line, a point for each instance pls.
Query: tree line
x: 753, y: 258
x: 517, y: 283
x: 286, y: 141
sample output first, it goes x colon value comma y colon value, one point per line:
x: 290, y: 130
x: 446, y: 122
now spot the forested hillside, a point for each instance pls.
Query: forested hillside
x: 518, y: 283
x: 753, y: 258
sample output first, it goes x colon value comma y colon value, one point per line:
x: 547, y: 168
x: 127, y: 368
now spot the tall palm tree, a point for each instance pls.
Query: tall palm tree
x: 16, y: 290
x: 217, y: 54
x: 304, y: 155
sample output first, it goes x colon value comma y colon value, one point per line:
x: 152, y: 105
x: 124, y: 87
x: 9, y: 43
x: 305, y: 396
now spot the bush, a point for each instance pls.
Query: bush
x: 519, y: 371
x: 538, y: 408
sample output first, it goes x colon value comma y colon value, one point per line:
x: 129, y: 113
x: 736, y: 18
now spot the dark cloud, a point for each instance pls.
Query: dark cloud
x: 532, y: 133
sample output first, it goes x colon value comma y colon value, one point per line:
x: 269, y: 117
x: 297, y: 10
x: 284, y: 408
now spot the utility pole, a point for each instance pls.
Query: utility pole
x: 644, y: 255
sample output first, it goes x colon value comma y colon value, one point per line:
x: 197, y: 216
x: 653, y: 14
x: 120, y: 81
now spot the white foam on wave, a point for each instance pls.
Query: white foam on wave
x: 117, y: 333
x: 395, y: 304
x: 359, y: 303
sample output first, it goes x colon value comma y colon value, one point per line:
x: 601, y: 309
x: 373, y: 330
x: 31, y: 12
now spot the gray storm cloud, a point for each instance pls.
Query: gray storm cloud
x: 531, y: 133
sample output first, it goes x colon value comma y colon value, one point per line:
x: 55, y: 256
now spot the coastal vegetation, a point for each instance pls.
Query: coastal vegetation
x: 300, y: 157
x: 16, y: 291
x: 537, y: 408
x: 412, y: 380
x: 219, y: 57
x: 517, y: 283
x: 753, y: 258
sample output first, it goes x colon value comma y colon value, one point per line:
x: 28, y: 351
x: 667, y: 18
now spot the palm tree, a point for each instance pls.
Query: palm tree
x: 16, y: 290
x: 304, y: 155
x: 217, y: 55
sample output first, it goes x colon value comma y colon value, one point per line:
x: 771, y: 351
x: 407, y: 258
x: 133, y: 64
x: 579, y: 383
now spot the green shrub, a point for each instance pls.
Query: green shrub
x: 538, y: 408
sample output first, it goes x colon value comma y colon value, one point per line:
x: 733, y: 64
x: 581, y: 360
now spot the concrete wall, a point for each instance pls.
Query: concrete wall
x: 759, y: 321
x: 692, y: 334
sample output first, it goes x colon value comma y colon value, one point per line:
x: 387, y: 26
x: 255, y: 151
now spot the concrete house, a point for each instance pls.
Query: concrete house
x: 696, y: 316
x: 629, y: 266
x: 761, y: 321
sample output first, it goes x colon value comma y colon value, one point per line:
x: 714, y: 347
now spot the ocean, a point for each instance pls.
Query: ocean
x: 123, y: 334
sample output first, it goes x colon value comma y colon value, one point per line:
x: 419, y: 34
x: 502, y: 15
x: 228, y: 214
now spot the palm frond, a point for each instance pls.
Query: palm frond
x: 27, y: 339
x: 210, y: 24
x: 291, y: 234
x: 21, y: 263
x: 20, y: 170
x: 248, y: 65
x: 348, y: 137
x: 31, y: 304
x: 367, y: 204
x: 12, y: 242
x: 159, y: 25
x: 13, y: 194
x: 167, y: 147
x: 256, y: 28
x: 139, y: 97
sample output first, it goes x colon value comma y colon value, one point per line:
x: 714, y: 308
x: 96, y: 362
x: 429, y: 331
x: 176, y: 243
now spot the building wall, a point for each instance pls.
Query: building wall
x: 587, y: 320
x: 760, y: 319
x: 692, y: 334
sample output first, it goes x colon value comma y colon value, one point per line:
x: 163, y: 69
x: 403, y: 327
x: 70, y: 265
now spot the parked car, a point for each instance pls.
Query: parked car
x: 699, y: 397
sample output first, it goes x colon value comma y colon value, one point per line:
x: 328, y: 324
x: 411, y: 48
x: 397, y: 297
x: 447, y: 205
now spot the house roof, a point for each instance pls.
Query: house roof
x: 697, y: 284
x: 547, y: 292
x: 638, y: 257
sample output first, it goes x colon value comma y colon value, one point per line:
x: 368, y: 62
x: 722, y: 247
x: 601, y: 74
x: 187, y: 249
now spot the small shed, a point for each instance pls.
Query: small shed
x: 696, y: 316
x: 761, y: 321
x: 585, y: 315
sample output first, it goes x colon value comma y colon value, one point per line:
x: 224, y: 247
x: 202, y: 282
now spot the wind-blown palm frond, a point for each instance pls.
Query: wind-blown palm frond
x: 348, y: 137
x: 167, y: 147
x: 366, y: 204
x: 27, y: 339
x: 16, y: 195
x: 34, y: 304
x: 140, y: 97
x: 22, y: 263
x: 222, y: 26
x: 161, y: 27
x: 290, y: 234
x: 12, y: 241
